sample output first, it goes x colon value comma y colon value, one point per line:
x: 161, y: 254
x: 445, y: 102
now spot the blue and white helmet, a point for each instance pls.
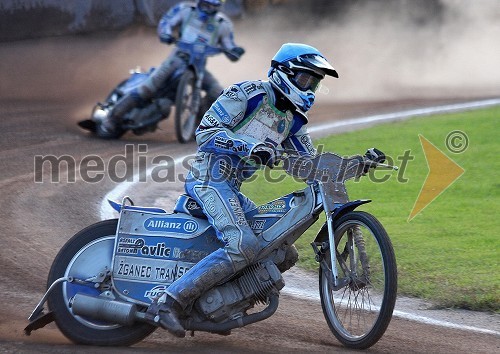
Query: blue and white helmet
x: 209, y: 7
x: 296, y: 71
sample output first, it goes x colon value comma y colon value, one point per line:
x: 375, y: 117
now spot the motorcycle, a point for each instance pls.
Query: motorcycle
x: 104, y: 278
x: 183, y: 89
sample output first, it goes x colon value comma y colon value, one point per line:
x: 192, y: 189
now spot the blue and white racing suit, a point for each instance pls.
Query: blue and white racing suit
x: 242, y: 118
x: 190, y: 25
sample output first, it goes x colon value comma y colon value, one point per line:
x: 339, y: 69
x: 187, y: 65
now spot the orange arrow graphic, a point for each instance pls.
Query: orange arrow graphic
x: 442, y: 173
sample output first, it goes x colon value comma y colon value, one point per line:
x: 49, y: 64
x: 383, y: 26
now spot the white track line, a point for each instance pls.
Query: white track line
x: 118, y: 192
x: 379, y: 118
x: 314, y: 295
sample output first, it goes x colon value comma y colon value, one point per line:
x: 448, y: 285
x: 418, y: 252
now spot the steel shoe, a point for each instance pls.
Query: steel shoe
x: 164, y: 312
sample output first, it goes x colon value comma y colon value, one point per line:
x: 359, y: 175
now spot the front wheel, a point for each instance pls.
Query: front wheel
x: 360, y: 308
x: 85, y: 256
x: 187, y: 102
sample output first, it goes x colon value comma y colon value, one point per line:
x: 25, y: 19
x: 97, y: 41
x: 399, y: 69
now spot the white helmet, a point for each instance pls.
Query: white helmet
x: 296, y: 71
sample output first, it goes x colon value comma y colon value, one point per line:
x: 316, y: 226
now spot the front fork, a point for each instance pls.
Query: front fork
x: 355, y: 238
x: 333, y: 272
x: 332, y: 249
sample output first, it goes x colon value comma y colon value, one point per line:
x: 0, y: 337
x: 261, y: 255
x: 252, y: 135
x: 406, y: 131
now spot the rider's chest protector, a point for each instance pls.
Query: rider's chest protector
x: 266, y: 123
x: 195, y: 29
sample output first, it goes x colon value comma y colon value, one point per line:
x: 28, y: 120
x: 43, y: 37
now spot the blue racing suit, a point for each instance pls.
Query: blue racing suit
x: 242, y: 119
x: 190, y: 25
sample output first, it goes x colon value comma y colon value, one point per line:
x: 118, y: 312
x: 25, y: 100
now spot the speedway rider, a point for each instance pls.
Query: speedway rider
x: 191, y: 22
x: 243, y: 129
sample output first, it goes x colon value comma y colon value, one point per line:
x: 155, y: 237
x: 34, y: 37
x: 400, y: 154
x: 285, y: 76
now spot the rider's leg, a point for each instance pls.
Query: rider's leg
x: 159, y: 76
x: 125, y: 104
x: 141, y: 93
x: 225, y: 208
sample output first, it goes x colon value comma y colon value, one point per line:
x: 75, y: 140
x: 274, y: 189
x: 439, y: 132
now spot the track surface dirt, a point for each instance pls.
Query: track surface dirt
x: 38, y: 218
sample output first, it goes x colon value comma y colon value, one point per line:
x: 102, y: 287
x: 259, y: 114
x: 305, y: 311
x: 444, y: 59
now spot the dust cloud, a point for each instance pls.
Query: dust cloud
x: 380, y: 54
x: 384, y: 52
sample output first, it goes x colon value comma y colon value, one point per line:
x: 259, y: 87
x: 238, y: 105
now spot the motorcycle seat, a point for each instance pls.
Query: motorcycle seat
x: 187, y: 205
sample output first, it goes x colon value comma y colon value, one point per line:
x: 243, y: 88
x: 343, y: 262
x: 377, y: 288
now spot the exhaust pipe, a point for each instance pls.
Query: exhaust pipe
x: 112, y: 311
x: 125, y: 313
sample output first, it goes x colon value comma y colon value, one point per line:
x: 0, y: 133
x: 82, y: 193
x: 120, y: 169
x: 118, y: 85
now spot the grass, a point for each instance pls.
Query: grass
x: 449, y: 252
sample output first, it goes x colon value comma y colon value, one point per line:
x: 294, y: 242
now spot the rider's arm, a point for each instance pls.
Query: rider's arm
x: 215, y: 132
x: 301, y: 142
x: 226, y: 38
x: 169, y: 21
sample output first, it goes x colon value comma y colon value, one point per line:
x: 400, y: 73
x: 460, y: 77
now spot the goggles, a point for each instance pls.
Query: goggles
x: 306, y: 81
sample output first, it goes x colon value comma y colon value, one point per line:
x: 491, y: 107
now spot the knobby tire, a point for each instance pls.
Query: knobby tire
x: 372, y: 289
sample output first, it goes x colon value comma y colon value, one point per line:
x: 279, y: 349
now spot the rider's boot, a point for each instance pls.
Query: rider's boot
x: 108, y: 127
x: 125, y: 104
x: 291, y: 257
x: 164, y: 312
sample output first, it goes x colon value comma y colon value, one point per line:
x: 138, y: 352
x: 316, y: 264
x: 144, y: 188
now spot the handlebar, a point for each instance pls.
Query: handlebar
x: 283, y: 154
x: 198, y: 48
x: 327, y: 166
x: 375, y: 164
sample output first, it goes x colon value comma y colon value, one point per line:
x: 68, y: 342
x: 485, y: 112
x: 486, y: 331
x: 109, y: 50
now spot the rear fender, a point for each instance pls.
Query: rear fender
x: 118, y: 207
x: 136, y: 78
x: 337, y: 214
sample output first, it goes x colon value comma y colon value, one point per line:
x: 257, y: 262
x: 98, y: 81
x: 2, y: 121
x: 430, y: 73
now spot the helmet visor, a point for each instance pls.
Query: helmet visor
x: 306, y: 81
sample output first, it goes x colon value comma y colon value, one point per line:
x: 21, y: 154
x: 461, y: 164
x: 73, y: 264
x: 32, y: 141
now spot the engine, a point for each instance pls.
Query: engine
x: 231, y: 299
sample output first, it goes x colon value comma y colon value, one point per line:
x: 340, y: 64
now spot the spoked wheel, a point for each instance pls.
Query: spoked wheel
x: 359, y: 311
x: 187, y: 105
x: 88, y: 256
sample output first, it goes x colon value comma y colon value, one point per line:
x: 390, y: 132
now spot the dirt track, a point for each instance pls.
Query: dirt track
x: 39, y: 217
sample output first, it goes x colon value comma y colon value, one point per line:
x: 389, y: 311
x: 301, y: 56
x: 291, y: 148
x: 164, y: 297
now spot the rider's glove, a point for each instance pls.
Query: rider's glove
x: 235, y: 53
x: 375, y: 155
x: 166, y: 38
x: 265, y: 155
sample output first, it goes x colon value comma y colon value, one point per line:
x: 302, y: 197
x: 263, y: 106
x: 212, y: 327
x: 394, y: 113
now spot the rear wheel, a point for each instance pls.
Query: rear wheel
x: 89, y: 254
x: 360, y: 309
x: 187, y: 104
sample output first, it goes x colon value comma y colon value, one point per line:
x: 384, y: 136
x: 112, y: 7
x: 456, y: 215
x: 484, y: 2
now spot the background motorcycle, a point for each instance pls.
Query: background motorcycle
x: 104, y: 278
x: 183, y: 89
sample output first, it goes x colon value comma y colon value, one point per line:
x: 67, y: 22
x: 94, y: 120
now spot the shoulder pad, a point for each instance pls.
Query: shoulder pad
x: 181, y: 7
x: 252, y: 88
x: 184, y: 5
x: 234, y: 92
